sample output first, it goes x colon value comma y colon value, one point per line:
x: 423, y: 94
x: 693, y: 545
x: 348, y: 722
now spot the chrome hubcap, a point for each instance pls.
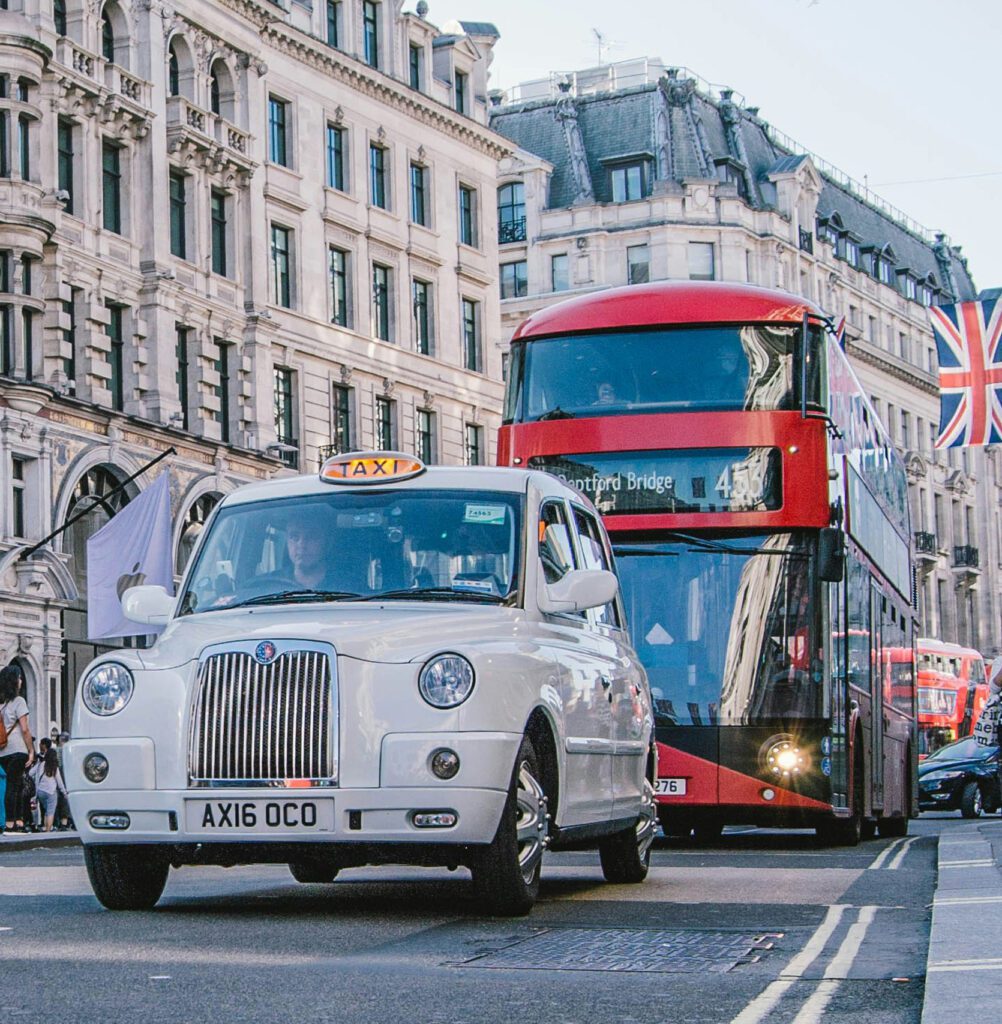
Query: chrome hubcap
x: 647, y: 824
x: 531, y: 823
x: 977, y: 802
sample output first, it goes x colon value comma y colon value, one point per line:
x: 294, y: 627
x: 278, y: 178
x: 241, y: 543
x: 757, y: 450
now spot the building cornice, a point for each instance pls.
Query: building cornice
x: 867, y: 353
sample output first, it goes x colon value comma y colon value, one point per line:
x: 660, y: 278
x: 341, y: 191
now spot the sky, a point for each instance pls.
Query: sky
x: 903, y: 95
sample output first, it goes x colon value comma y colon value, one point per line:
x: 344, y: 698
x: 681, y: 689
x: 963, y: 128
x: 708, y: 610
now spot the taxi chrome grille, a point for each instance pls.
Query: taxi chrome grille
x: 254, y: 723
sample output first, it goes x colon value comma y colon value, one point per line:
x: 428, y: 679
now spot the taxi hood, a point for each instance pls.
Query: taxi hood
x: 390, y: 632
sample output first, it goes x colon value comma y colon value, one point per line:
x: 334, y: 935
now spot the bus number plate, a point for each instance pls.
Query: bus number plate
x: 671, y: 787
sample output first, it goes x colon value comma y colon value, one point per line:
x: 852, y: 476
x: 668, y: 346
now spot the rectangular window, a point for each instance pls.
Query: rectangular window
x: 335, y: 157
x: 419, y: 198
x: 370, y: 32
x: 217, y: 217
x: 70, y: 339
x: 116, y: 357
x: 416, y: 66
x: 278, y: 148
x: 337, y: 264
x: 222, y: 367
x: 377, y: 176
x: 285, y: 417
x: 474, y: 445
x: 281, y: 265
x: 467, y: 216
x: 560, y: 272
x: 471, y: 335
x: 386, y: 439
x: 421, y: 299
x: 426, y: 436
x: 627, y: 183
x: 17, y: 487
x: 65, y: 161
x: 26, y: 262
x: 906, y: 429
x: 638, y: 264
x: 28, y: 342
x: 178, y: 235
x: 181, y: 371
x: 333, y: 23
x: 514, y: 279
x: 6, y: 341
x: 4, y: 142
x: 701, y: 261
x: 462, y: 87
x: 24, y: 146
x: 341, y: 439
x: 111, y: 191
x: 381, y: 277
x: 5, y: 258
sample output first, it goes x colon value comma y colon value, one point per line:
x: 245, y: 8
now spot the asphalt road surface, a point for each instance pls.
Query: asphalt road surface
x: 760, y: 927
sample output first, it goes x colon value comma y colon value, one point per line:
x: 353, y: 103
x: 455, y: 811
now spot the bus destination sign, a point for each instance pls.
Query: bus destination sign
x: 668, y: 481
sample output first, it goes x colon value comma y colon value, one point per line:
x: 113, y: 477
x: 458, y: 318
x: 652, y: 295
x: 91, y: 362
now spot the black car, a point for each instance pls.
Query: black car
x: 960, y: 776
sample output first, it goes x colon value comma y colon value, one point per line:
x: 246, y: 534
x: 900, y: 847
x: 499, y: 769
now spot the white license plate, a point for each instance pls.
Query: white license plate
x: 671, y: 787
x: 259, y: 817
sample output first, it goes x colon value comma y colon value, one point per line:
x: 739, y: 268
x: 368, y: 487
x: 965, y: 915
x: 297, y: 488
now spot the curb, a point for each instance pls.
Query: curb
x: 36, y: 841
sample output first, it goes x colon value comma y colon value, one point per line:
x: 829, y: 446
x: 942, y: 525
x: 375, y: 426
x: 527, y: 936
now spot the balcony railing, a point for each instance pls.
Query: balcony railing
x: 327, y: 451
x: 806, y: 240
x: 511, y: 231
x: 965, y: 556
x: 925, y: 543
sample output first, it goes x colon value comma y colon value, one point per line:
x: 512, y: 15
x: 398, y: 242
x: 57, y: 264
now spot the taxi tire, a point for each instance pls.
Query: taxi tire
x: 312, y: 872
x: 626, y: 855
x: 499, y: 884
x: 127, y: 877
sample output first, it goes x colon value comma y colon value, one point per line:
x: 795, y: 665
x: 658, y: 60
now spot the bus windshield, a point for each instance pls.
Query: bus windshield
x: 725, y: 628
x: 665, y: 370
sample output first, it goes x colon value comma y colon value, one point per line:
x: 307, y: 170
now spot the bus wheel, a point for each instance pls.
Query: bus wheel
x: 708, y: 832
x: 506, y: 873
x: 127, y: 877
x: 313, y: 871
x: 971, y: 801
x: 893, y: 828
x: 673, y: 826
x: 626, y: 855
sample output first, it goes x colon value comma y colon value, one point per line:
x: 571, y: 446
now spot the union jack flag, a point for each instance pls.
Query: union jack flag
x: 969, y: 344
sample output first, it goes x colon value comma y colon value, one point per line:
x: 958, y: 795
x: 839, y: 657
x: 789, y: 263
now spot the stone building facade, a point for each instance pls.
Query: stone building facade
x: 256, y: 232
x: 639, y: 172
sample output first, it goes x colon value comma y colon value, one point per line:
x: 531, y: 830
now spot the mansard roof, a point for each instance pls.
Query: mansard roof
x: 688, y: 130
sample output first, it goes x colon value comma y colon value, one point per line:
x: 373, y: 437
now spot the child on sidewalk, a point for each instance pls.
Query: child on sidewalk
x: 48, y: 785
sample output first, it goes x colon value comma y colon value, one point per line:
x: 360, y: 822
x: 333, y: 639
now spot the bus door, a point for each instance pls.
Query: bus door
x: 877, y: 614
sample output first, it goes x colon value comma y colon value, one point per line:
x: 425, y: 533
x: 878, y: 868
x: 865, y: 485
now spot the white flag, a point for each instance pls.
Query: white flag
x: 132, y: 549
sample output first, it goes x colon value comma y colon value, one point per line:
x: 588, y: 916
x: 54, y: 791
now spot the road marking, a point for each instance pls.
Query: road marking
x: 838, y: 970
x: 965, y: 901
x: 980, y: 862
x: 900, y: 855
x: 767, y: 999
x: 884, y: 854
x: 994, y: 964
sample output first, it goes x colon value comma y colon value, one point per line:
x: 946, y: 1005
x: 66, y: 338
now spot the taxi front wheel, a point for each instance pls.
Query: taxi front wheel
x: 127, y: 877
x: 313, y: 871
x: 506, y: 873
x: 626, y: 855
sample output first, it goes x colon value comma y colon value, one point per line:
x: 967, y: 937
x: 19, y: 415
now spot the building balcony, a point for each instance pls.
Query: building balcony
x: 965, y: 557
x: 215, y: 140
x: 511, y: 231
x: 926, y: 548
x: 328, y: 451
x: 806, y: 240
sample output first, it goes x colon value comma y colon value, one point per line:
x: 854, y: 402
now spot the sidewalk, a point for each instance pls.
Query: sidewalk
x: 11, y: 841
x: 964, y: 967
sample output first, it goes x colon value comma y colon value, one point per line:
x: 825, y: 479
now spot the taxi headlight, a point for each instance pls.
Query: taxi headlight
x: 107, y: 688
x: 446, y: 681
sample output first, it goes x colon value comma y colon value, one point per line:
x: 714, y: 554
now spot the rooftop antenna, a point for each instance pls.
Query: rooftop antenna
x: 604, y: 44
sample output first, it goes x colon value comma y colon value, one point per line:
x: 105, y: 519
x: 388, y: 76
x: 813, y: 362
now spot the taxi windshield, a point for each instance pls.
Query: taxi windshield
x: 446, y: 545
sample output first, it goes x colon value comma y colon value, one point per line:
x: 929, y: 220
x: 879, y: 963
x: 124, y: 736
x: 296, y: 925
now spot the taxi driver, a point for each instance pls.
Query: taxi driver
x: 308, y: 544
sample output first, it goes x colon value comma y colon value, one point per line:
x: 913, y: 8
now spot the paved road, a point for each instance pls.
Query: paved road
x: 761, y: 927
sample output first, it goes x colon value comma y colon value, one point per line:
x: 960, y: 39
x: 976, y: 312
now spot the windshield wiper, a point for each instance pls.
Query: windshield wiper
x: 434, y: 594
x: 556, y: 413
x: 701, y: 544
x: 292, y: 596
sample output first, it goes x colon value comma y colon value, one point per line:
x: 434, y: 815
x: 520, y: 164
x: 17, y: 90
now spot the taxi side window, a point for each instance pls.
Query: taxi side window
x: 595, y: 555
x: 556, y: 553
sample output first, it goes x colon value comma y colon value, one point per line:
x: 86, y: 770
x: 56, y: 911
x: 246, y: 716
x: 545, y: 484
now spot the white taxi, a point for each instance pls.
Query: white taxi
x: 381, y: 663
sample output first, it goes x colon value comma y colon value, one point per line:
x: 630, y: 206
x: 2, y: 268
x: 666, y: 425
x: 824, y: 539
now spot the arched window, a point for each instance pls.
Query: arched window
x: 59, y: 16
x: 107, y: 36
x: 511, y: 212
x: 173, y: 74
x: 214, y: 90
x: 194, y: 523
x: 221, y: 91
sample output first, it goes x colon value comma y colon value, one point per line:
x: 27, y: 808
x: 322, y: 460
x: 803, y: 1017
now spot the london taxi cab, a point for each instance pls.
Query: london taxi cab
x: 382, y: 663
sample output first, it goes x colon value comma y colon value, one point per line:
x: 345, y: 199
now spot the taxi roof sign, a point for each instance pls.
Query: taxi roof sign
x: 370, y: 468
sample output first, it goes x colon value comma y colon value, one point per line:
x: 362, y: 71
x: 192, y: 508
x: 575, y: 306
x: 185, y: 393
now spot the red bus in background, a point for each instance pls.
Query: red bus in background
x: 952, y: 690
x: 759, y: 518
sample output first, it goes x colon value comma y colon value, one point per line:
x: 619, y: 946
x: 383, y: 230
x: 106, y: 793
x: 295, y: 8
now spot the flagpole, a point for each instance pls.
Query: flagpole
x: 98, y: 500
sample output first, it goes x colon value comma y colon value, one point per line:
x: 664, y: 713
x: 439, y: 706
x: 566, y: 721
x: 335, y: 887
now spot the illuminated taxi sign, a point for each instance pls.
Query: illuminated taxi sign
x: 370, y: 468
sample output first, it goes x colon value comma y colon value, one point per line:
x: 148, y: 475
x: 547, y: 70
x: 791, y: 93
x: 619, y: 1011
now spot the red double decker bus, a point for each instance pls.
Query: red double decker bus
x: 759, y: 517
x: 952, y: 691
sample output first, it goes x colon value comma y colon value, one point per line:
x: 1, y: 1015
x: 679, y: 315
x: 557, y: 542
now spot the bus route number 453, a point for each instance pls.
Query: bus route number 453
x: 671, y: 787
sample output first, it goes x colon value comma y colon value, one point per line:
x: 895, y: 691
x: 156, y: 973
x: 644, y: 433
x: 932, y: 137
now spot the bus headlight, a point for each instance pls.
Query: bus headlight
x: 107, y: 688
x: 446, y: 681
x: 783, y: 758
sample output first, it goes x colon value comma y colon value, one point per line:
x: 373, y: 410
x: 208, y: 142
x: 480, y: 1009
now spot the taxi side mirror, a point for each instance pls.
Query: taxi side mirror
x: 577, y: 590
x: 150, y: 605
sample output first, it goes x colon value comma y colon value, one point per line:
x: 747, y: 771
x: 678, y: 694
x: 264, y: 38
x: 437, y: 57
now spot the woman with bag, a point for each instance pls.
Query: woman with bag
x: 48, y: 786
x: 18, y: 752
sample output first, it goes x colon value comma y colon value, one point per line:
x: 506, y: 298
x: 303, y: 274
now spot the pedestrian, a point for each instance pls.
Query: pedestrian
x: 19, y: 751
x: 49, y: 786
x: 63, y: 804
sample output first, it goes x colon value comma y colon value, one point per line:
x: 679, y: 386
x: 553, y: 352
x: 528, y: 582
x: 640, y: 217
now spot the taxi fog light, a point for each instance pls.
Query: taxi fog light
x: 95, y: 767
x: 445, y: 764
x: 434, y: 819
x: 115, y: 821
